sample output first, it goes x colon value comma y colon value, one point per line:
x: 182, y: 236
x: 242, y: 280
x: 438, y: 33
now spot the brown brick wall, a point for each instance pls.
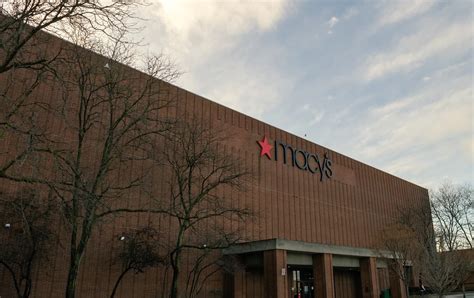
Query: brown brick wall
x: 292, y: 204
x: 347, y: 283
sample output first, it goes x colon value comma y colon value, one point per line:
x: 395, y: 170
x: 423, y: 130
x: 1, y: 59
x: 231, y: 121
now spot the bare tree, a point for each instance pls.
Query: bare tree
x: 399, y: 250
x: 412, y: 242
x: 19, y: 110
x: 453, y: 215
x: 25, y: 236
x: 444, y: 272
x: 206, y: 263
x: 204, y: 266
x: 406, y: 241
x: 140, y: 250
x: 110, y: 119
x: 200, y: 167
x: 108, y: 115
x: 21, y: 23
x: 28, y: 55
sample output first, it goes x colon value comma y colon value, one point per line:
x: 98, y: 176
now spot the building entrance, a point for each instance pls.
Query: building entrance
x: 300, y: 282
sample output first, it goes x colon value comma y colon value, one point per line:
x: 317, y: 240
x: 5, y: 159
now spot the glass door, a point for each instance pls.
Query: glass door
x: 300, y: 282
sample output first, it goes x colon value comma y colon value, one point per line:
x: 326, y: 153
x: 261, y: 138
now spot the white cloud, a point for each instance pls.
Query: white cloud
x: 191, y: 20
x: 395, y: 11
x: 203, y: 37
x: 236, y: 16
x: 317, y: 117
x: 409, y: 136
x: 349, y: 13
x: 249, y: 89
x: 412, y: 51
x: 234, y: 53
x: 316, y: 114
x: 333, y: 21
x: 420, y: 122
x: 468, y: 149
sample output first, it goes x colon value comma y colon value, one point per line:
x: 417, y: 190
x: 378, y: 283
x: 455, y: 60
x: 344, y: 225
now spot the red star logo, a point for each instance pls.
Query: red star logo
x: 265, y: 147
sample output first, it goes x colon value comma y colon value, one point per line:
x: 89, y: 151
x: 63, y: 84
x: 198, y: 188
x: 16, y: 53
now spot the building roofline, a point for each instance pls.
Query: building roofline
x: 212, y: 101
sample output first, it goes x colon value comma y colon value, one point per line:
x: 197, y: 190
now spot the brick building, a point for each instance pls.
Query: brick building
x: 319, y: 215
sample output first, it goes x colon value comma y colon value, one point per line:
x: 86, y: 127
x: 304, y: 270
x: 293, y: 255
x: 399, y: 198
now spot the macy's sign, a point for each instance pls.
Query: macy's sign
x: 303, y: 160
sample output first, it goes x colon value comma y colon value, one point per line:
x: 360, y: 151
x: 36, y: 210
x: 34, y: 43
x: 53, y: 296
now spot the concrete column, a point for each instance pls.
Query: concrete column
x: 397, y: 286
x: 369, y: 277
x: 323, y: 275
x: 274, y: 273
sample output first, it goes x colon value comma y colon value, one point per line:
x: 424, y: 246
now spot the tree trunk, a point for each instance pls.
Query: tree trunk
x: 75, y: 258
x: 175, y: 260
x: 72, y: 275
x: 27, y: 289
x: 174, y: 281
x: 118, y: 282
x: 12, y: 274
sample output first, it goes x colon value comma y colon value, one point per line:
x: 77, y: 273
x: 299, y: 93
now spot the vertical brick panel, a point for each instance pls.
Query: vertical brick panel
x: 272, y: 191
x: 275, y: 282
x: 324, y: 276
x: 369, y: 278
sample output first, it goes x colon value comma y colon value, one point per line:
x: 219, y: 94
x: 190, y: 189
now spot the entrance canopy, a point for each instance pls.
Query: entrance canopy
x: 287, y: 268
x: 304, y: 247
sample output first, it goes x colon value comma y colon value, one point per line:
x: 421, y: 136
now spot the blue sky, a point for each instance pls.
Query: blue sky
x: 389, y: 83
